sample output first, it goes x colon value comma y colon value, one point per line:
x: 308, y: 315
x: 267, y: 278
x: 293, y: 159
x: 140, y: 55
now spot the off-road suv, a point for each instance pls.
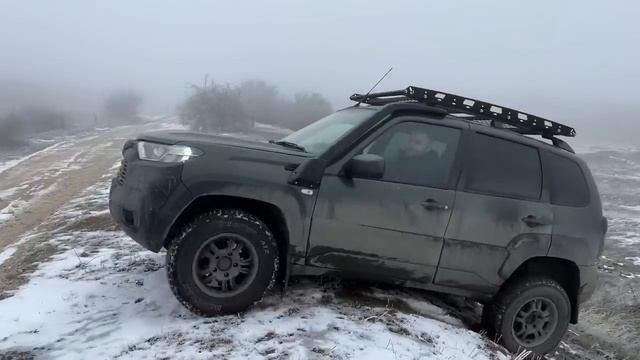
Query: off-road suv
x: 413, y: 187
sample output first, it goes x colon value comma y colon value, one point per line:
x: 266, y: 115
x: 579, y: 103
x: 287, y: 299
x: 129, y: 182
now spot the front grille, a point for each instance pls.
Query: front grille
x: 122, y: 172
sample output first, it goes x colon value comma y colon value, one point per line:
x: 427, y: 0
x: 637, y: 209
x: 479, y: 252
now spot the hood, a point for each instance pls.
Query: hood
x: 172, y: 137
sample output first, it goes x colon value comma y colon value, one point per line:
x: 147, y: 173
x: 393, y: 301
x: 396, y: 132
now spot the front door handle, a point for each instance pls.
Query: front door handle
x: 533, y: 221
x: 431, y: 204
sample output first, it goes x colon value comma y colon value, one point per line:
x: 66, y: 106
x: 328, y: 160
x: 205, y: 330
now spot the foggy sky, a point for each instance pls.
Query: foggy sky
x: 572, y: 61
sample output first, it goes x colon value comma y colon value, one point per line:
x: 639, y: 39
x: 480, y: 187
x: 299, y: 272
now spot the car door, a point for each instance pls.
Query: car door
x: 502, y: 215
x: 389, y: 228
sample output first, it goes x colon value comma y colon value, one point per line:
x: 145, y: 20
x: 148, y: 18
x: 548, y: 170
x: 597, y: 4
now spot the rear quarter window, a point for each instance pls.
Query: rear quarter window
x: 568, y: 186
x: 503, y: 168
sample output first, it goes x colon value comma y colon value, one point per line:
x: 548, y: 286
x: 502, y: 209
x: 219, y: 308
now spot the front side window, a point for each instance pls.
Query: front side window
x: 319, y: 136
x: 417, y: 153
x: 504, y: 168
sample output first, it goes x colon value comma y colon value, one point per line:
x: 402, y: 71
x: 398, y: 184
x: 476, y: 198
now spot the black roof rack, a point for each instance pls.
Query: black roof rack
x: 496, y: 115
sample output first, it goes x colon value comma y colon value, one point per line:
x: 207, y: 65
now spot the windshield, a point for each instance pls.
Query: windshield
x: 317, y: 137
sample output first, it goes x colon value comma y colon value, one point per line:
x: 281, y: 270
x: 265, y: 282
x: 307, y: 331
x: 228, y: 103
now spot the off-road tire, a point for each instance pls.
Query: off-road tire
x: 182, y: 250
x: 501, y: 314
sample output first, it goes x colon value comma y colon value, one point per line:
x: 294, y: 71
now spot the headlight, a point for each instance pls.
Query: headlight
x: 166, y: 153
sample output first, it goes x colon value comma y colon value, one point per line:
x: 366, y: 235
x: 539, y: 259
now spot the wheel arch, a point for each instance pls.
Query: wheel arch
x: 565, y: 272
x: 271, y: 215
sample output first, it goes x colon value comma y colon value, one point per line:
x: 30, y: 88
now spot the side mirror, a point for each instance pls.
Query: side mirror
x: 367, y: 166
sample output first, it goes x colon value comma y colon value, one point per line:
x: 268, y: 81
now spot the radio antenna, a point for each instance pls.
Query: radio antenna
x: 374, y: 86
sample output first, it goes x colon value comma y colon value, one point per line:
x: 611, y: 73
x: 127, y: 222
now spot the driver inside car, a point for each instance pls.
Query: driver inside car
x: 417, y: 162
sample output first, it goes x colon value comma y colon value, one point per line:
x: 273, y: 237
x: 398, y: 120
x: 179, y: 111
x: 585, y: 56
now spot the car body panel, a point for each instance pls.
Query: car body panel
x: 379, y: 227
x: 147, y: 198
x: 363, y: 225
x: 258, y: 175
x: 578, y: 232
x: 486, y: 239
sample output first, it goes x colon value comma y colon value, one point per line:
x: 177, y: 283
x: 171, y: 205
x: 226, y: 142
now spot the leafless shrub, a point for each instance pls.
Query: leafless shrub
x: 216, y: 107
x: 15, y: 126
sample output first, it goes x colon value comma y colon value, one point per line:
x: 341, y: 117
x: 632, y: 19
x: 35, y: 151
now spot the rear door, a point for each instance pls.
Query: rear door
x: 501, y: 216
x: 390, y: 228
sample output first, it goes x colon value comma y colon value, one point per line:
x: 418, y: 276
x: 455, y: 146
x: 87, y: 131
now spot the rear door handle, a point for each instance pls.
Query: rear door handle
x: 431, y: 204
x: 533, y: 221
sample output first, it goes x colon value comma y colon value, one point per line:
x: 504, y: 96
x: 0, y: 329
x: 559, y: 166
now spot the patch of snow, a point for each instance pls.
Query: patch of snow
x: 14, y: 208
x: 8, y: 193
x: 6, y: 253
x: 631, y: 208
x: 18, y: 206
x: 634, y: 260
x: 172, y: 123
x: 12, y: 163
x: 272, y: 128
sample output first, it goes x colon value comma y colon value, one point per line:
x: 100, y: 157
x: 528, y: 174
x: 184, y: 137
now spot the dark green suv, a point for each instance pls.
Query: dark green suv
x: 413, y: 187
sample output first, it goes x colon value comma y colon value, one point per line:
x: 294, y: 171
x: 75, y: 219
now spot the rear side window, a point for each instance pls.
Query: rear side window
x: 504, y: 168
x: 568, y: 186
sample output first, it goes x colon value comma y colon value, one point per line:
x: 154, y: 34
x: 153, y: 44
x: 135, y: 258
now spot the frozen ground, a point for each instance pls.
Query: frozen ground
x: 73, y: 286
x: 103, y: 296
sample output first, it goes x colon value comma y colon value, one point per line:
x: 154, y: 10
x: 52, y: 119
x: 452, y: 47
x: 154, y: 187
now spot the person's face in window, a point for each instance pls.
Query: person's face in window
x: 419, y: 144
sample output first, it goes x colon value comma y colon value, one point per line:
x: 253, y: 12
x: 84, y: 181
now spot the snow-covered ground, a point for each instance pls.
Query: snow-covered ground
x: 6, y: 253
x: 103, y: 296
x: 73, y: 286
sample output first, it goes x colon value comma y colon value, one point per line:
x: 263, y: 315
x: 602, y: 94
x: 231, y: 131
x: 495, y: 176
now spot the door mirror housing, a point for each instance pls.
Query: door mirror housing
x: 369, y: 166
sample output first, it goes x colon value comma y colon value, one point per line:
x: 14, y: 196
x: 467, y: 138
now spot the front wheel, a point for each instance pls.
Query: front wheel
x: 222, y: 263
x: 531, y: 314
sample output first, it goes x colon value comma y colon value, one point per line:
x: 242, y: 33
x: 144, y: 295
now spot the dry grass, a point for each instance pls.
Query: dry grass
x: 612, y: 316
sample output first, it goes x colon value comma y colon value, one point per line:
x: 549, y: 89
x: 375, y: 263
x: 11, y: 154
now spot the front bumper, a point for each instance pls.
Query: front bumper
x: 146, y: 197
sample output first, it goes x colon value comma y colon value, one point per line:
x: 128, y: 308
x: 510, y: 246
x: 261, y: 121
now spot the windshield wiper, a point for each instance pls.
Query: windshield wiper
x: 288, y: 144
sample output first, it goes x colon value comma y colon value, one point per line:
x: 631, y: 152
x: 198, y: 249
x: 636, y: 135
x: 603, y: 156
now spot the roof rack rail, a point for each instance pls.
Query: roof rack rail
x: 499, y: 116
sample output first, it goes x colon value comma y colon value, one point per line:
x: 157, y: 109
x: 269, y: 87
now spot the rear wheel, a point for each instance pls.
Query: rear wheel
x: 530, y: 314
x: 223, y: 262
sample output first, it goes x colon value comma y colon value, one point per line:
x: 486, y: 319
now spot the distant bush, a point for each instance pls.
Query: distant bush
x: 15, y: 126
x: 11, y: 131
x: 214, y: 108
x: 41, y: 118
x: 223, y: 107
x: 122, y: 106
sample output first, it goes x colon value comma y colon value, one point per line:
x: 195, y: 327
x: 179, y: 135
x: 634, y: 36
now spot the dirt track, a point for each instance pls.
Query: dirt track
x: 37, y: 187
